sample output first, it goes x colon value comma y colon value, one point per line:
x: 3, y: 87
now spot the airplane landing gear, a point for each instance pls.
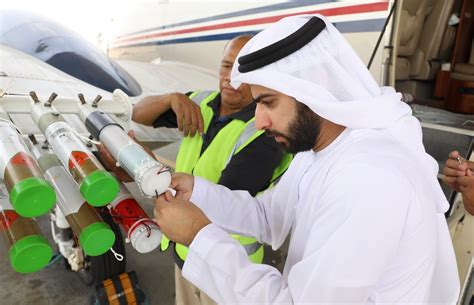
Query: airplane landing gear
x: 99, y: 268
x: 91, y: 269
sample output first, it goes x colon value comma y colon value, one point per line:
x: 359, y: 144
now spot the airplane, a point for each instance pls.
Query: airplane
x: 415, y: 46
x: 42, y: 56
x: 405, y: 43
x: 422, y: 48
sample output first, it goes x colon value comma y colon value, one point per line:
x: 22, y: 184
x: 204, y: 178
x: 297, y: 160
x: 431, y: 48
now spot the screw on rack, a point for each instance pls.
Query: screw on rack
x: 52, y: 97
x: 34, y: 97
x: 81, y: 98
x: 96, y: 100
x: 45, y: 145
x: 32, y: 138
x: 89, y: 143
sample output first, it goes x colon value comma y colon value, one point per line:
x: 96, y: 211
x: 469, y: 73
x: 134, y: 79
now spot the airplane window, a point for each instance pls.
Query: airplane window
x: 64, y: 50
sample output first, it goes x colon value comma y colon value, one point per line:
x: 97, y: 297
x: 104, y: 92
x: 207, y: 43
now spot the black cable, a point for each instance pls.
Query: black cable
x: 381, y: 34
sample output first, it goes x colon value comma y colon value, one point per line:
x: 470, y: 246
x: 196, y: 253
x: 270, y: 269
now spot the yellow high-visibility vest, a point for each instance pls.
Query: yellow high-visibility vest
x: 229, y: 141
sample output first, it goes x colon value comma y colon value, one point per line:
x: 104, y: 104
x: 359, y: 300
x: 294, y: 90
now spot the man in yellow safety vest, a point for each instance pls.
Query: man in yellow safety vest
x: 221, y: 144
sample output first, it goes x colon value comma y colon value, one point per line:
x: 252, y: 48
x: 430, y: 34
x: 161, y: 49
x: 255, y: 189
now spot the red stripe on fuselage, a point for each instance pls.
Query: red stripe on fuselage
x: 336, y: 11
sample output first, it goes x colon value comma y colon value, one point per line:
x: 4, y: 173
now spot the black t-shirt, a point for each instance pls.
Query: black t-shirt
x: 252, y: 168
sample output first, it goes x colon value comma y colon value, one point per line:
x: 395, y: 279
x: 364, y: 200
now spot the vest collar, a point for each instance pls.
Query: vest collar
x: 243, y: 115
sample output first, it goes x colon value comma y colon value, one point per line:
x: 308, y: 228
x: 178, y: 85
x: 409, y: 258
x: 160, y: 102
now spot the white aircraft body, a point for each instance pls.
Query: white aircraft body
x: 423, y: 48
x: 196, y: 31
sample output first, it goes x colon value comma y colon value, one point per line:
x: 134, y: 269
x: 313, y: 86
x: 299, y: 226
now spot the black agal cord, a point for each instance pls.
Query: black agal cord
x: 282, y: 48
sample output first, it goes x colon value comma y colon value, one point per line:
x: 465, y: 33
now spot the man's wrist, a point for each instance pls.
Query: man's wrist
x: 469, y: 208
x: 471, y: 165
x: 468, y: 205
x: 205, y: 238
x: 174, y: 98
x: 197, y: 227
x: 199, y: 190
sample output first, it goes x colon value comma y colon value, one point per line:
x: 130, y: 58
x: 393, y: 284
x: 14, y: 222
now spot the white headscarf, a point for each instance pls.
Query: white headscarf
x: 331, y: 80
x: 328, y: 76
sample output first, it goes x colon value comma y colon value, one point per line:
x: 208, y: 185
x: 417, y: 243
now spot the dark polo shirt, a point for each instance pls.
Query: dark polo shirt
x: 252, y: 168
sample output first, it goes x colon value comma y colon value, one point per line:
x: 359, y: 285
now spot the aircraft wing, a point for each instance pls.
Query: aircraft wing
x: 21, y: 73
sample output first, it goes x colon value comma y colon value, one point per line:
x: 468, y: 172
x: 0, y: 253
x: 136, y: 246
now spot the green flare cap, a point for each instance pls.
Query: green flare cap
x: 32, y: 197
x: 96, y: 239
x: 30, y: 254
x: 99, y: 188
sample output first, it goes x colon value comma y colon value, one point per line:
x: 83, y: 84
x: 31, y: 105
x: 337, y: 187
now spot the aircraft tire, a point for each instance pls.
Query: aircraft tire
x: 106, y: 265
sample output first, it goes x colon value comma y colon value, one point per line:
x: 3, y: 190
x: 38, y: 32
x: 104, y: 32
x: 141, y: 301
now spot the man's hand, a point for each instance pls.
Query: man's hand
x: 453, y: 169
x: 183, y: 184
x: 458, y: 174
x: 178, y: 219
x: 188, y: 115
x: 466, y: 184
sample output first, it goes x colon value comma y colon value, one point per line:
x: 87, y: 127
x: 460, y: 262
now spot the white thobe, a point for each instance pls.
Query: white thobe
x: 359, y: 232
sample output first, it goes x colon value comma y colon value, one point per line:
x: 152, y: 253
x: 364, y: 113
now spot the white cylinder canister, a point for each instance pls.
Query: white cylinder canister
x: 95, y: 236
x: 152, y: 177
x: 28, y: 249
x: 29, y: 193
x: 142, y: 232
x: 96, y: 185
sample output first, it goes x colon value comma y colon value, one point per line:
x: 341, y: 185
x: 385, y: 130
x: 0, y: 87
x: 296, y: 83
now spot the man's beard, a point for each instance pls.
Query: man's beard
x: 303, y: 131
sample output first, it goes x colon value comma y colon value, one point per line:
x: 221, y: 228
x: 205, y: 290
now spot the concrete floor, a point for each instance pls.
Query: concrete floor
x: 55, y: 285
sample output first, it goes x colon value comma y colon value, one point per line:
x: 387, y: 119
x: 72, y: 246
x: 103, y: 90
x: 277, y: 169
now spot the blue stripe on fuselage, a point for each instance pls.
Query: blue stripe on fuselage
x: 256, y: 10
x: 373, y: 25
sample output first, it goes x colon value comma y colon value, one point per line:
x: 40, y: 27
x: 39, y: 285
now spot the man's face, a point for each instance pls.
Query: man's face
x: 231, y: 96
x: 293, y: 124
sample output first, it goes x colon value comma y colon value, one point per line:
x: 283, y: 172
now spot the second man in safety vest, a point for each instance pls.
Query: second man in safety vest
x: 221, y: 144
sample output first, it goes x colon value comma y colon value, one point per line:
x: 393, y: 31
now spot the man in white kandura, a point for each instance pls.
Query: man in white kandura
x: 360, y: 202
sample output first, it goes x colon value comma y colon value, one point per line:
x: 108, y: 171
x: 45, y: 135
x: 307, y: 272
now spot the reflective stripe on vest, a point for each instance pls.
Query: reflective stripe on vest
x: 201, y: 96
x: 198, y: 97
x: 252, y: 248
